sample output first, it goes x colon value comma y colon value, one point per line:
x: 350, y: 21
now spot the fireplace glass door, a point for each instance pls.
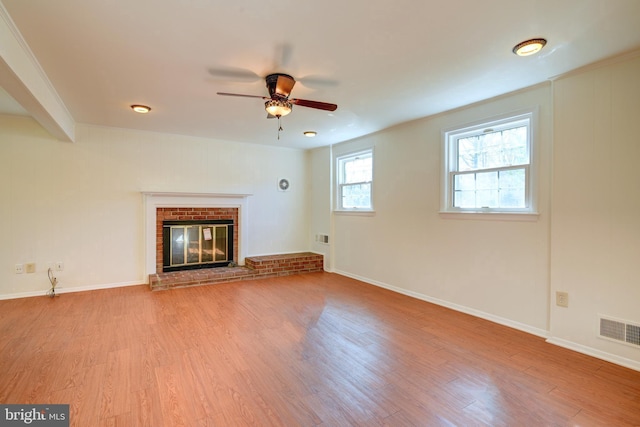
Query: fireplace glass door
x: 196, y: 245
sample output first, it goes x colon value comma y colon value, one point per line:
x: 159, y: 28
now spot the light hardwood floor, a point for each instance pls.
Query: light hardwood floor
x: 313, y: 349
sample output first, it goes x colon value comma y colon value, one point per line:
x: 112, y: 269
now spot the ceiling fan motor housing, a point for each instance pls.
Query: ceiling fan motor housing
x: 279, y: 85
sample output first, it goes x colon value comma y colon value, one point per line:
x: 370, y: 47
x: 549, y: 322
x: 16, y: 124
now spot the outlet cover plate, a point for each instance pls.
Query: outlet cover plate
x: 562, y: 299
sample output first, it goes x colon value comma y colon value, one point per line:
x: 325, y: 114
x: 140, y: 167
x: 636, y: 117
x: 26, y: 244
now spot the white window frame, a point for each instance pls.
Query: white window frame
x: 450, y: 156
x: 339, y: 178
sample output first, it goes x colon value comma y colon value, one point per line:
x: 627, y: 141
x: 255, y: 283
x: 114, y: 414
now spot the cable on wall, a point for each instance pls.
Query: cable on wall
x: 54, y: 281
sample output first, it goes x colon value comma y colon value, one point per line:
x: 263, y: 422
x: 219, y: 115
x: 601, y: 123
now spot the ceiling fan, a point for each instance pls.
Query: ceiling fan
x: 278, y: 103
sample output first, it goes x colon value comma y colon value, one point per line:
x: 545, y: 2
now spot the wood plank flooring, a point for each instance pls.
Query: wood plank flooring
x: 310, y: 350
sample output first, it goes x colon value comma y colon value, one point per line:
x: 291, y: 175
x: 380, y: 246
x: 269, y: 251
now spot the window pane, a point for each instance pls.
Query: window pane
x: 487, y: 181
x: 515, y: 151
x: 513, y: 188
x: 356, y: 196
x: 514, y: 178
x: 465, y: 182
x: 487, y: 198
x: 464, y: 199
x: 512, y: 199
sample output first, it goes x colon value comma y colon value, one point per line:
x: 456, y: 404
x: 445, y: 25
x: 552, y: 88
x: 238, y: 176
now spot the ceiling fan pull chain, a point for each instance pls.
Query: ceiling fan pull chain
x: 279, y: 128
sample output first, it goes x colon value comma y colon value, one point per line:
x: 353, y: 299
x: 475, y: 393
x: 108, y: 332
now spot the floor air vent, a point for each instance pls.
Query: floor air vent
x: 620, y: 330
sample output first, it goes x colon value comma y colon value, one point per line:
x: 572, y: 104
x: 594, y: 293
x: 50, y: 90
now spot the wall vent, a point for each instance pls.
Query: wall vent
x: 619, y: 330
x: 322, y: 238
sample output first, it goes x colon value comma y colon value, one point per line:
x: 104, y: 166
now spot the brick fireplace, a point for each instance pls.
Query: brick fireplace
x: 192, y: 214
x: 197, y: 206
x: 207, y: 206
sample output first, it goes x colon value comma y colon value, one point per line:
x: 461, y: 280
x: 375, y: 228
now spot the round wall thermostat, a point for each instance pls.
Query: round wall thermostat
x: 283, y: 184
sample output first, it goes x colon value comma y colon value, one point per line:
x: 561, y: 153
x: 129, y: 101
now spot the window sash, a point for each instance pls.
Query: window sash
x: 487, y: 150
x: 344, y: 162
x: 487, y: 194
x: 355, y: 201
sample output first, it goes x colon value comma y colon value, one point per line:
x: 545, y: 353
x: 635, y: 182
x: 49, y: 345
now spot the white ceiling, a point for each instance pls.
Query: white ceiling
x: 382, y: 62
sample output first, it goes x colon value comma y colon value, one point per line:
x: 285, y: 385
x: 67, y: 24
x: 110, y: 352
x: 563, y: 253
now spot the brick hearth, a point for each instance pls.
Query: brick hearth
x: 255, y: 268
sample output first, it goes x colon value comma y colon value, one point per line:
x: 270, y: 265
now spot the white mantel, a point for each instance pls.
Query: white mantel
x: 155, y: 199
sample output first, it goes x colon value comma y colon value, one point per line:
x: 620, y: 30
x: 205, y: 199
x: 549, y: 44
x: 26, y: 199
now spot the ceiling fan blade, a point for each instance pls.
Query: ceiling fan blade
x: 283, y: 53
x: 314, y: 104
x: 317, y: 82
x: 237, y: 74
x: 244, y: 96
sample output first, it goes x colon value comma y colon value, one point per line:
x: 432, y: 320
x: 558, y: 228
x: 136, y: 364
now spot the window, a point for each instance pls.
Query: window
x: 354, y: 179
x: 488, y: 166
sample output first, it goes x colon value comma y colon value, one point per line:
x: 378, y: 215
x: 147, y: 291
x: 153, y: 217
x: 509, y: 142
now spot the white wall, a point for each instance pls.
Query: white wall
x: 81, y: 203
x: 320, y: 209
x: 585, y: 241
x: 494, y: 268
x: 595, y: 237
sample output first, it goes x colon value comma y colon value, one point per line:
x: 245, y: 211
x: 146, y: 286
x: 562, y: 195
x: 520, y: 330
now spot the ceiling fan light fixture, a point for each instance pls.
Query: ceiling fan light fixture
x: 142, y: 109
x: 529, y: 47
x: 278, y: 107
x: 310, y: 133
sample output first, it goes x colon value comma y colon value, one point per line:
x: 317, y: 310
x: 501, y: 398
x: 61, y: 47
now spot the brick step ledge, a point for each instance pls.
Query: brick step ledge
x: 257, y: 267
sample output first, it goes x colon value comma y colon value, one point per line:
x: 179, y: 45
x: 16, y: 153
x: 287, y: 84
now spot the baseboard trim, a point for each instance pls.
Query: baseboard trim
x: 467, y: 310
x: 64, y: 290
x: 598, y: 354
x: 579, y: 348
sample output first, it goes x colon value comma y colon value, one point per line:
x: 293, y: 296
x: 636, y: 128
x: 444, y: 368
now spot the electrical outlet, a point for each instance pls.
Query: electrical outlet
x: 562, y: 299
x: 59, y: 266
x: 19, y: 269
x: 30, y: 267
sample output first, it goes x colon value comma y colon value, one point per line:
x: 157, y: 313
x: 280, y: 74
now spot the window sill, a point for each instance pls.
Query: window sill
x: 491, y: 216
x: 354, y: 212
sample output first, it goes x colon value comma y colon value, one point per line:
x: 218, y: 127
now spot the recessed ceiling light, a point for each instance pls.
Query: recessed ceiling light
x: 310, y: 133
x: 142, y: 109
x: 529, y: 47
